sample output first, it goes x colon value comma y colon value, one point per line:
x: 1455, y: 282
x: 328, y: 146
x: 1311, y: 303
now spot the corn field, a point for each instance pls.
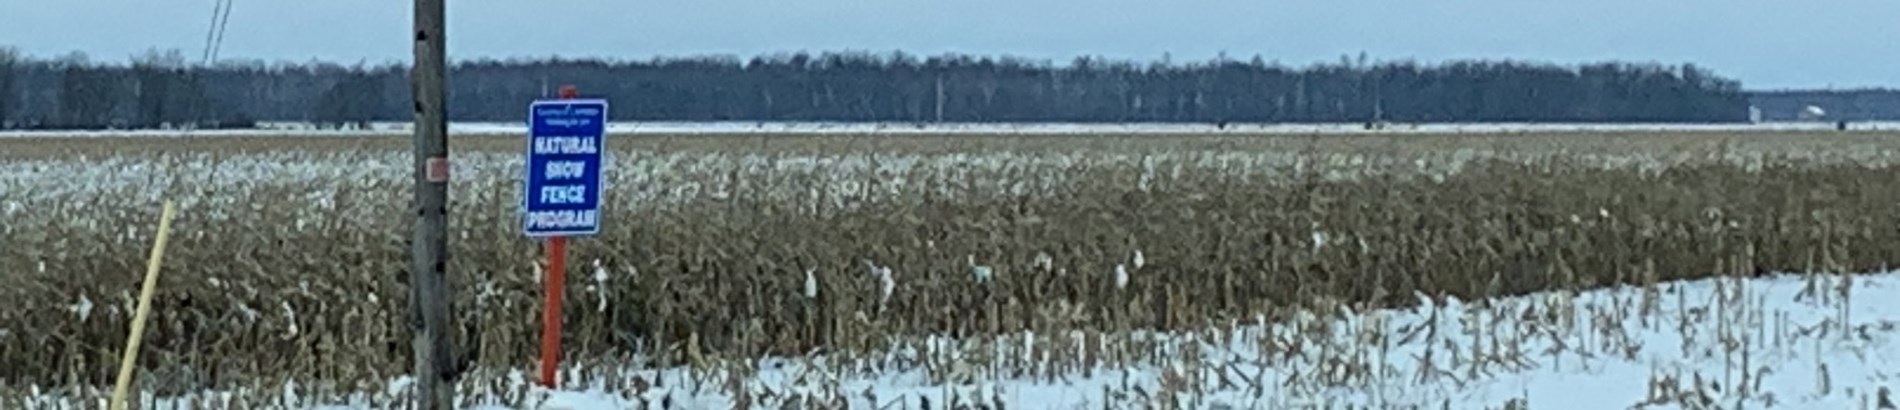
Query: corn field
x: 287, y: 261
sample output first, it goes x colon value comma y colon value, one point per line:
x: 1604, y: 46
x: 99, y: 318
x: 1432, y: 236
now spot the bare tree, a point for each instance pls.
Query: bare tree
x: 9, y: 72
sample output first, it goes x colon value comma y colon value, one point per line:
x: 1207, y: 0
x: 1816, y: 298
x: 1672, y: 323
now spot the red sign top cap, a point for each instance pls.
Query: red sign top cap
x: 568, y: 91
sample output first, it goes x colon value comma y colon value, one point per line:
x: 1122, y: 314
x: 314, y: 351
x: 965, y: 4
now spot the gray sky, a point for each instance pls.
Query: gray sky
x: 1765, y: 43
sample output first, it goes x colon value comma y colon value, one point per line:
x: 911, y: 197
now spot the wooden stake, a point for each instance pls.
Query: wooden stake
x: 551, y: 310
x: 131, y: 354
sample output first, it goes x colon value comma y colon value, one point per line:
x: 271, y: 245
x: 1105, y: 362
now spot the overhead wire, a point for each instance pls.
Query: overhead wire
x: 214, y: 36
x: 223, y: 24
x: 217, y: 9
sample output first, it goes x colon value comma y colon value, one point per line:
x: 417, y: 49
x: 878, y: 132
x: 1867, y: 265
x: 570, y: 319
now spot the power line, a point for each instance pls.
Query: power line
x: 223, y: 24
x: 217, y: 9
x: 214, y: 36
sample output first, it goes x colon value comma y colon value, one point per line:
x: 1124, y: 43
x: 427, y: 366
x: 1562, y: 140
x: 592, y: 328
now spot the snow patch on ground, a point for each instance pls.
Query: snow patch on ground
x: 1785, y: 341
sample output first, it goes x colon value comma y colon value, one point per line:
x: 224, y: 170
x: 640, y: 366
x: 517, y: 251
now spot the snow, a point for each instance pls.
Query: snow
x: 290, y: 129
x: 1783, y: 341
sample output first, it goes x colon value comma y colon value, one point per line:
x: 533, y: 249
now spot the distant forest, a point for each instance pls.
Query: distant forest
x: 1872, y: 104
x: 165, y: 89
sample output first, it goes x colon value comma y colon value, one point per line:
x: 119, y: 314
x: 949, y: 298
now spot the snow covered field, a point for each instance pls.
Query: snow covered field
x: 1790, y: 341
x: 400, y: 128
x: 1787, y: 341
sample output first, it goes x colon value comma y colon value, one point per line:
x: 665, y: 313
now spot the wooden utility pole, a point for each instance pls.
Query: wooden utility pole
x: 435, y: 372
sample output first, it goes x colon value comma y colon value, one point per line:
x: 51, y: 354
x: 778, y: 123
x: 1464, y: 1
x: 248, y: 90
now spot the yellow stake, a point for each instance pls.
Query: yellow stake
x: 145, y: 305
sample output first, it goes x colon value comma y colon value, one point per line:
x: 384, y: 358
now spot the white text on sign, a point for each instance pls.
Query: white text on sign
x: 565, y: 169
x: 566, y: 145
x: 563, y: 194
x: 567, y: 115
x: 562, y: 219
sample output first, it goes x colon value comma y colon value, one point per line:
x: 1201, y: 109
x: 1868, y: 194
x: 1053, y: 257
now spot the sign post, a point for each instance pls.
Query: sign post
x: 560, y: 195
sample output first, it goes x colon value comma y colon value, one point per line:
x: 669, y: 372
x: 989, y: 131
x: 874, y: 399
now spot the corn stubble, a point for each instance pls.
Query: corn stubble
x: 287, y: 263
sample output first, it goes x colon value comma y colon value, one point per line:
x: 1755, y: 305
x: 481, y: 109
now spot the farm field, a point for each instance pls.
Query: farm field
x: 1537, y: 269
x: 385, y: 129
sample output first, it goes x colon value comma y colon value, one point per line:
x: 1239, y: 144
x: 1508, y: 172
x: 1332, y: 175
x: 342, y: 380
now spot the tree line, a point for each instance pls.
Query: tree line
x: 160, y: 89
x: 1865, y: 104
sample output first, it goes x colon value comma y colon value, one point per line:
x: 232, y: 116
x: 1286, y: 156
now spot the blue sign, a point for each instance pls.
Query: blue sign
x: 560, y: 195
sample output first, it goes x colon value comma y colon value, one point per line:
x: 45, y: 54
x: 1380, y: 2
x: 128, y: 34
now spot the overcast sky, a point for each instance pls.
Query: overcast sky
x: 1765, y: 43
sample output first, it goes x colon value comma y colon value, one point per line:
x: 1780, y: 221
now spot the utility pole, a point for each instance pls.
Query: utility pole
x: 436, y: 369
